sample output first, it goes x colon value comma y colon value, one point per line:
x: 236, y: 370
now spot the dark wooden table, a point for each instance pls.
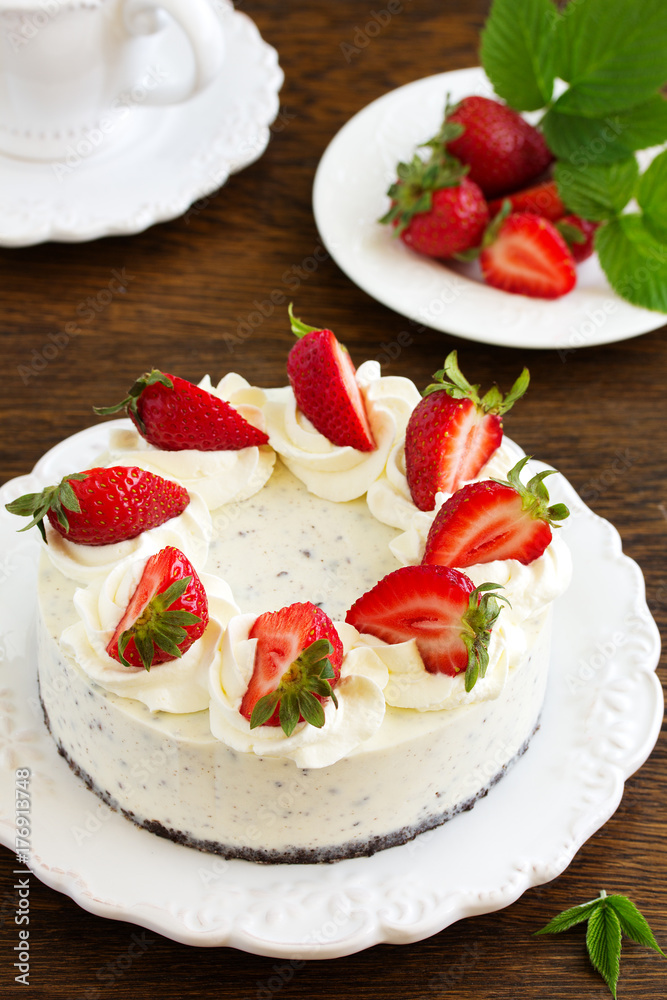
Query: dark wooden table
x: 597, y: 414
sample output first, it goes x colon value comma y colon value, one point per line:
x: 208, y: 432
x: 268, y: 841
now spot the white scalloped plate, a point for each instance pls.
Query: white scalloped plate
x: 601, y: 720
x: 349, y: 196
x: 166, y: 161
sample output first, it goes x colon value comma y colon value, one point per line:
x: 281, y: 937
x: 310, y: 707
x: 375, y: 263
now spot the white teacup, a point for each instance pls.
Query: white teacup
x: 71, y: 71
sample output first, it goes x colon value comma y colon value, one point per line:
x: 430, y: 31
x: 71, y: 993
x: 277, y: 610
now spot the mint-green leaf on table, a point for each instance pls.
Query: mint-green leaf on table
x: 597, y: 191
x: 603, y: 941
x: 517, y: 51
x: 652, y: 197
x: 570, y: 918
x: 633, y: 924
x: 634, y: 262
x: 613, y: 54
x: 608, y: 139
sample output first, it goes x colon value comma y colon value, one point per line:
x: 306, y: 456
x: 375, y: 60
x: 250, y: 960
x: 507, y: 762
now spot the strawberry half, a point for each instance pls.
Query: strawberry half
x: 541, y: 199
x: 436, y: 210
x: 503, y: 151
x: 441, y: 609
x: 167, y: 612
x: 297, y: 665
x: 176, y: 415
x: 525, y: 254
x: 103, y: 506
x: 453, y: 432
x: 325, y: 387
x: 494, y: 520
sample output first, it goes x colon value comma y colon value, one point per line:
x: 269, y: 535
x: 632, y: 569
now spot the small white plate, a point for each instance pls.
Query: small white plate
x: 602, y: 716
x: 165, y: 160
x: 349, y: 197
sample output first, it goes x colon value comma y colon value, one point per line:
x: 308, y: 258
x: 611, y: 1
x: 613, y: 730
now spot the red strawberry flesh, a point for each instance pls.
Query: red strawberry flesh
x: 529, y: 257
x: 422, y: 603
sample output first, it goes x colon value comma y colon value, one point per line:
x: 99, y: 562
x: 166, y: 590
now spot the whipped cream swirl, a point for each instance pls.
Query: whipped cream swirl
x: 218, y: 476
x: 361, y: 704
x: 177, y: 686
x: 190, y: 532
x: 331, y: 471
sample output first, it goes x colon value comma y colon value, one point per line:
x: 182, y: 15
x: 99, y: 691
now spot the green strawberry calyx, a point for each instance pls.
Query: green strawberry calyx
x: 479, y: 619
x: 129, y: 404
x: 159, y: 626
x: 451, y: 379
x: 412, y: 193
x: 58, y: 499
x: 534, y: 495
x: 310, y: 674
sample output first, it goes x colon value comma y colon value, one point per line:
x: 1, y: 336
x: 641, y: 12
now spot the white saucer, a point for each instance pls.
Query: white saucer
x: 349, y: 197
x: 167, y: 159
x: 601, y: 719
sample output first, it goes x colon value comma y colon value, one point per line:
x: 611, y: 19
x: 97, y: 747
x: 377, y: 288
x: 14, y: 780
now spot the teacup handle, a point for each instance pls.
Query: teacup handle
x: 203, y: 29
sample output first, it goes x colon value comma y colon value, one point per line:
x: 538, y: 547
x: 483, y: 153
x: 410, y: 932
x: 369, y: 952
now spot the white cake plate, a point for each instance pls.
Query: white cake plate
x: 350, y: 195
x: 601, y: 719
x: 167, y: 158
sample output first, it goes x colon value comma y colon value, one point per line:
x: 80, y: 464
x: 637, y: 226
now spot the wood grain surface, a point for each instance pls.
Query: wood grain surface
x: 597, y: 414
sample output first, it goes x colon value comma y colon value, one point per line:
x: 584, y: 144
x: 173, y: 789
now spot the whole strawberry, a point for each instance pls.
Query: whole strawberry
x: 579, y: 235
x: 325, y: 387
x: 493, y: 520
x: 437, y: 210
x: 525, y: 254
x: 441, y: 609
x: 103, y: 506
x: 503, y: 151
x: 175, y: 415
x: 167, y: 613
x: 453, y: 432
x: 297, y: 664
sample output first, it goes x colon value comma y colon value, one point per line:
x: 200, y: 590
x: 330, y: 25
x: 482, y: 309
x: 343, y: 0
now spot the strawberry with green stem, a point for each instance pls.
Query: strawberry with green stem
x: 453, y: 432
x: 325, y: 387
x: 297, y: 665
x: 441, y: 609
x: 174, y: 415
x: 167, y: 613
x: 494, y: 519
x: 103, y: 506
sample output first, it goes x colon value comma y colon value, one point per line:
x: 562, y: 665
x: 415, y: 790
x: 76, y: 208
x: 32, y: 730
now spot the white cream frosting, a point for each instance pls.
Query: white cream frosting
x: 177, y: 686
x: 361, y: 704
x: 331, y: 471
x: 220, y: 477
x: 190, y: 532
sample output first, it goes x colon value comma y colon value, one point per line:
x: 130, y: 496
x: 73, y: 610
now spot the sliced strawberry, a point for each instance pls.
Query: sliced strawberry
x: 176, y: 415
x: 435, y: 209
x: 494, y: 520
x: 297, y: 665
x: 325, y: 386
x: 579, y: 235
x: 438, y: 607
x: 503, y: 151
x: 528, y: 256
x: 452, y: 432
x: 540, y: 199
x: 103, y: 506
x: 167, y: 613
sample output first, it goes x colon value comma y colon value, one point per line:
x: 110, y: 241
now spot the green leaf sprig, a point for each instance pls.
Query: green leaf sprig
x: 608, y: 918
x: 596, y: 69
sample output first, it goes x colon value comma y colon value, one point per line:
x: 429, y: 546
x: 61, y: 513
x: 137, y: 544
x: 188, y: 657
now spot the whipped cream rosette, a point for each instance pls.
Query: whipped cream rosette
x: 334, y: 472
x: 178, y: 686
x: 219, y: 477
x: 361, y: 704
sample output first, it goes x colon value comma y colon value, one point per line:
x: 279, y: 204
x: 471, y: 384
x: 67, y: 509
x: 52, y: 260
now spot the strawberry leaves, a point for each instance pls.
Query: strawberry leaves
x: 455, y: 384
x: 608, y: 918
x: 309, y: 674
x: 481, y: 616
x: 159, y: 626
x: 56, y: 499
